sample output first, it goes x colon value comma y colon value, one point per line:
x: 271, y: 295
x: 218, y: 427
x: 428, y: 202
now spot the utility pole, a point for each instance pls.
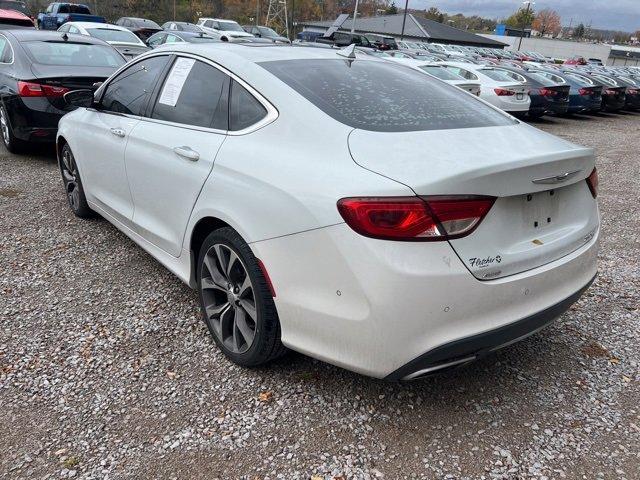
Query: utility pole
x: 524, y: 21
x: 404, y: 19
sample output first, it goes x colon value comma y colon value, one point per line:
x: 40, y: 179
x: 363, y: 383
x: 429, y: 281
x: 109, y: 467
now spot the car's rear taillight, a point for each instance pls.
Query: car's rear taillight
x: 592, y: 181
x: 32, y: 89
x: 608, y: 91
x: 503, y: 92
x: 433, y: 218
x: 547, y: 92
x: 585, y: 91
x: 632, y: 91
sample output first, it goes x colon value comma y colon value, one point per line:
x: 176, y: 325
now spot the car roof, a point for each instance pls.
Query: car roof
x: 13, y: 14
x: 91, y: 25
x: 28, y: 35
x: 254, y: 52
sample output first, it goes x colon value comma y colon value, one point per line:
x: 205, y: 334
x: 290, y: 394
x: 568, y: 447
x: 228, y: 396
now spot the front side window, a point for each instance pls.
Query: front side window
x: 379, y: 96
x: 193, y: 93
x: 244, y: 109
x: 130, y: 91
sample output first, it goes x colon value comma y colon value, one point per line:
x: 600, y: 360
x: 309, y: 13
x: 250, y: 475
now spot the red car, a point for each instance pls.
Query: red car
x: 575, y: 61
x: 14, y: 19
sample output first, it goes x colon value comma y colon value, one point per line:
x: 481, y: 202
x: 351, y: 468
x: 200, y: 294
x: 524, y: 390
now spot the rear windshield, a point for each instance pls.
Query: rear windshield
x: 440, y: 72
x: 379, y: 96
x: 545, y: 80
x: 117, y: 36
x: 12, y: 5
x: 73, y: 54
x: 497, y: 75
x: 71, y: 8
x: 579, y: 79
x: 144, y: 23
x: 202, y: 39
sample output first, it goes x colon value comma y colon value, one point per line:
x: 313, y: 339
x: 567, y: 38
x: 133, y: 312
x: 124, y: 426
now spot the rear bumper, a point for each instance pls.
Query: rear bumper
x: 376, y: 306
x: 465, y: 350
x: 33, y: 119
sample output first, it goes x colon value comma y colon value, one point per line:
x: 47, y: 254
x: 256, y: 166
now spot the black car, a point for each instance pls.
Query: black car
x: 631, y: 98
x: 174, y: 36
x: 265, y: 32
x: 36, y: 69
x: 142, y: 27
x: 181, y: 27
x: 344, y: 39
x: 546, y: 95
x: 382, y: 42
x: 613, y: 95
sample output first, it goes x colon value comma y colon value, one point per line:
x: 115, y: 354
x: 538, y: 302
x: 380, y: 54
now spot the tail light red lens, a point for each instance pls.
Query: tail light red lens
x: 632, y: 91
x: 547, y: 92
x: 592, y: 181
x: 609, y: 92
x: 585, y: 91
x: 32, y: 89
x: 433, y: 218
x: 503, y: 92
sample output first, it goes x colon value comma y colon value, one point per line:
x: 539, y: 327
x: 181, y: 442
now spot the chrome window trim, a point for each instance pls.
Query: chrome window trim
x: 271, y: 116
x: 13, y: 53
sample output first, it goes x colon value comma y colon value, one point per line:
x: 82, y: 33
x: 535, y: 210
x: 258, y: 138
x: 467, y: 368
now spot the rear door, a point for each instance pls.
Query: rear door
x: 171, y: 152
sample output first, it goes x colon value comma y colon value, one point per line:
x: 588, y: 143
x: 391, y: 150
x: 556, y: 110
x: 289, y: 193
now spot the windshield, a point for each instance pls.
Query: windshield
x: 116, y: 36
x: 267, y: 32
x: 144, y: 23
x: 230, y: 27
x: 440, y: 72
x: 497, y: 75
x: 72, y: 8
x: 73, y: 54
x: 202, y: 39
x: 381, y: 97
x: 12, y: 5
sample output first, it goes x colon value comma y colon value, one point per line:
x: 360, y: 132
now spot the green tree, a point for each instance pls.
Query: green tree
x: 434, y: 14
x: 391, y: 9
x: 523, y: 18
x: 578, y: 32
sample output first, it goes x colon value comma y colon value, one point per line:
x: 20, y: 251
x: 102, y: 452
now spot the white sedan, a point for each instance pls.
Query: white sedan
x: 122, y: 39
x: 497, y: 88
x: 363, y: 214
x: 442, y: 73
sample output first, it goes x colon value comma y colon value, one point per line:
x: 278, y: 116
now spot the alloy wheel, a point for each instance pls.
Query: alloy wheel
x: 228, y: 298
x: 4, y: 126
x: 70, y: 177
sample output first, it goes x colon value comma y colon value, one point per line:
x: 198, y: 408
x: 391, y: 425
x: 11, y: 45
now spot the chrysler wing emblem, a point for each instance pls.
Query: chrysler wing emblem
x: 563, y: 177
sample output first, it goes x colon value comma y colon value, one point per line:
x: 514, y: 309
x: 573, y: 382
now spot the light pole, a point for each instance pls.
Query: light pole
x: 404, y: 19
x: 524, y: 21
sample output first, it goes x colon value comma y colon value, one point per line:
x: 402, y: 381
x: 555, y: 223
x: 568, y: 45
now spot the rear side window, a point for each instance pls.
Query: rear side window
x: 130, y: 91
x: 244, y: 109
x: 201, y: 100
x: 379, y: 96
x: 440, y: 72
x: 462, y: 72
x: 6, y: 53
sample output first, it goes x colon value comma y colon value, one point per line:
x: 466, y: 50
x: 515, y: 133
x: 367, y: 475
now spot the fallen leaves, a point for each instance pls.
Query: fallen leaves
x: 265, y: 397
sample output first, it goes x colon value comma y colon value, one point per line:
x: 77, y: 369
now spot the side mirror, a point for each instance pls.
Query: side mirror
x: 79, y: 98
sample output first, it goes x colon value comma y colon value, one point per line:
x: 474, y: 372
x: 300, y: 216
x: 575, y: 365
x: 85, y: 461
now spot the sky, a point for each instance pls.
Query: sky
x: 607, y: 14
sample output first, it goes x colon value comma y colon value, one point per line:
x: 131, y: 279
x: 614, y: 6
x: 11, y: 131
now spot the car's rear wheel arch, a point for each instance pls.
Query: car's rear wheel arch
x: 200, y: 231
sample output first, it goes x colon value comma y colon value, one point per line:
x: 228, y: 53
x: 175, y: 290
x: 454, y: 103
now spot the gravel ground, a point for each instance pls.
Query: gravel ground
x: 106, y: 370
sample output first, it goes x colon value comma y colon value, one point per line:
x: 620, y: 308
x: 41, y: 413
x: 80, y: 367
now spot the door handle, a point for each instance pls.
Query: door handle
x: 188, y: 153
x: 118, y: 132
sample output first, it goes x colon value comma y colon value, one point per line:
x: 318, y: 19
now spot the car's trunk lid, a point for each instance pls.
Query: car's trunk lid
x: 544, y: 209
x: 82, y: 78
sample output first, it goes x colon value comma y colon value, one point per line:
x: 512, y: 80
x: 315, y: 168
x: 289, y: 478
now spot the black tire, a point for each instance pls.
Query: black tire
x: 73, y: 188
x: 13, y: 144
x: 536, y: 115
x: 266, y: 344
